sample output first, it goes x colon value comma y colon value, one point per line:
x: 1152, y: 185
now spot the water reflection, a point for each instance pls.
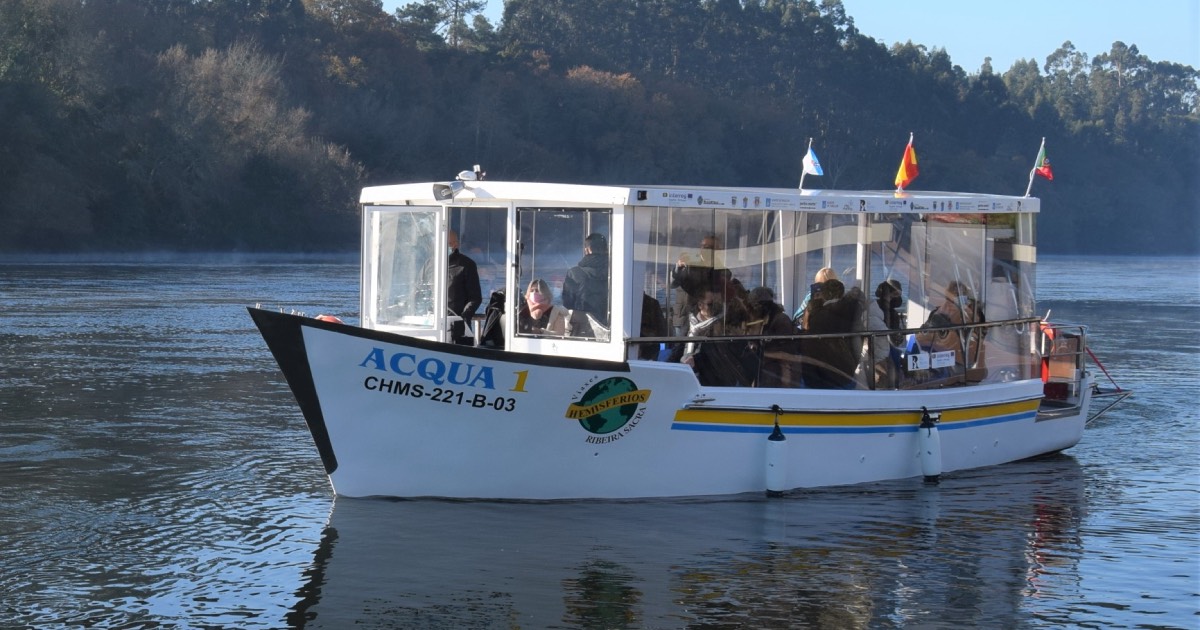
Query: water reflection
x: 980, y: 549
x: 603, y: 596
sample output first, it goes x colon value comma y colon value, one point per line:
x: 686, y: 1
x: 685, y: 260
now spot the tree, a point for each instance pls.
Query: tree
x: 346, y: 13
x: 1067, y: 83
x: 450, y: 17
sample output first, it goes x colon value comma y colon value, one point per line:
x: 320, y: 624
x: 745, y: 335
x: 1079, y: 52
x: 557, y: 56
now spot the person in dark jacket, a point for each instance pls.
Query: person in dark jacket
x: 585, y: 289
x: 693, y: 276
x: 717, y: 363
x: 654, y: 324
x: 780, y: 365
x: 463, y: 295
x: 830, y: 363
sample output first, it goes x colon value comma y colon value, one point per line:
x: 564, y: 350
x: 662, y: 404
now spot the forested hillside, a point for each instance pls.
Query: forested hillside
x: 251, y: 124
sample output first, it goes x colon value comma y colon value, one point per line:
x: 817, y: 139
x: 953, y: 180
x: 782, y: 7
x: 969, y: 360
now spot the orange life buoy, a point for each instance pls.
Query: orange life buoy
x: 329, y: 318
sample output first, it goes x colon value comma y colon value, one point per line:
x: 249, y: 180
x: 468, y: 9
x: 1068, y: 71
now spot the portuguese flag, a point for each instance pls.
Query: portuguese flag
x: 1041, y: 166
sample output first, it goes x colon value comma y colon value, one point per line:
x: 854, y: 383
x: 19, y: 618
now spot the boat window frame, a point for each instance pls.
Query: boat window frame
x: 569, y: 257
x: 434, y: 327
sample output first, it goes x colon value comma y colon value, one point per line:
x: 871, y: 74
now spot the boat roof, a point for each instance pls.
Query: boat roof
x: 712, y: 197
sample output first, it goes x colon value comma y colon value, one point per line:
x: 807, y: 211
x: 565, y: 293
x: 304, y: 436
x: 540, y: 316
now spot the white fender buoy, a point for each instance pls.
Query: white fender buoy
x: 776, y: 459
x: 931, y: 446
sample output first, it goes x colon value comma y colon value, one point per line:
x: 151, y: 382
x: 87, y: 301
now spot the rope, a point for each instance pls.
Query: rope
x: 1101, y: 366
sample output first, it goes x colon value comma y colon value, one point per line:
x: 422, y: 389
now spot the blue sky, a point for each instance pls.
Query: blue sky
x: 969, y: 30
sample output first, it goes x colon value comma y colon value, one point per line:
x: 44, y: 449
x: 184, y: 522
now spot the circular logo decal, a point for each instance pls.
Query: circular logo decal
x: 608, y: 405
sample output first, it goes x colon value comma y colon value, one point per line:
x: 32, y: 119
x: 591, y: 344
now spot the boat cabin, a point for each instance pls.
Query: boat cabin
x: 942, y: 283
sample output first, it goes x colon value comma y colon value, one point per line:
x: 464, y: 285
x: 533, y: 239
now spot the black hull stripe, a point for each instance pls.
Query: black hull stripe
x: 283, y: 335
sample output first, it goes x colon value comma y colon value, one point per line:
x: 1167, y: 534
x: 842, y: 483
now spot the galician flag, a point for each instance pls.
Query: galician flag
x: 812, y: 165
x: 908, y: 166
x: 1041, y: 166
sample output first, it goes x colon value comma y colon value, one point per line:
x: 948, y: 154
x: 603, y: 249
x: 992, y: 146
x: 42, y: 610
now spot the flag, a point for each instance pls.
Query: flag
x: 908, y: 167
x: 1041, y: 166
x: 812, y: 165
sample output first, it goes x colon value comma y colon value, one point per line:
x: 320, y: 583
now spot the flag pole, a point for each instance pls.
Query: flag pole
x: 803, y: 172
x: 1033, y: 171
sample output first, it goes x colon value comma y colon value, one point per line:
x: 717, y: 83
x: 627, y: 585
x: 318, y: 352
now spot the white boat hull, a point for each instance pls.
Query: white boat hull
x: 397, y: 416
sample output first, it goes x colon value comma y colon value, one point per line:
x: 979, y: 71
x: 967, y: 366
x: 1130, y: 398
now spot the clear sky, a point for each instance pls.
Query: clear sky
x: 1007, y: 30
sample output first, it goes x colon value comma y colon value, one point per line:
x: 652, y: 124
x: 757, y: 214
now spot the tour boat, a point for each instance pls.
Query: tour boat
x: 677, y: 376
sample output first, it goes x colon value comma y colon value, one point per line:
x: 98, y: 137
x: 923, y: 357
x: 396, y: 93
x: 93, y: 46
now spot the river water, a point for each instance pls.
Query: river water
x: 156, y: 473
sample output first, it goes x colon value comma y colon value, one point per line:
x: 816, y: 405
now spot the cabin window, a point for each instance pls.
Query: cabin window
x: 482, y: 234
x: 682, y: 254
x: 568, y: 250
x: 406, y: 249
x: 1009, y: 295
x: 955, y: 247
x: 403, y: 287
x: 821, y: 240
x: 1010, y: 290
x: 892, y: 259
x: 976, y: 270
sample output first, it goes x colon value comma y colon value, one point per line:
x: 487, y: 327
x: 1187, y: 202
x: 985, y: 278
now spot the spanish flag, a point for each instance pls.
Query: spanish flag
x: 908, y: 166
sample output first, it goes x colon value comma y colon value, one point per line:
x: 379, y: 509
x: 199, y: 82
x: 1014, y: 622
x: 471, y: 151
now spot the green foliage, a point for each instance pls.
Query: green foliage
x: 251, y: 124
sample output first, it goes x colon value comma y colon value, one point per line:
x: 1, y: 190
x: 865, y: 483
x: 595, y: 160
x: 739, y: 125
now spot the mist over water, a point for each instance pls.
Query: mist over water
x: 155, y: 472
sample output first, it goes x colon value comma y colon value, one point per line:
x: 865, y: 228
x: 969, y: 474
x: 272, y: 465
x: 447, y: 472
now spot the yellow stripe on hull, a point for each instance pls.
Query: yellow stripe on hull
x: 698, y: 418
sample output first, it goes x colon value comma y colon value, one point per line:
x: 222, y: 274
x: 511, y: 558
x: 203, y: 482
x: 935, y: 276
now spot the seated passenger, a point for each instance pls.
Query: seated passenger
x: 735, y: 297
x: 824, y: 274
x: 958, y: 308
x: 538, y: 314
x: 881, y: 350
x: 831, y: 362
x: 974, y: 362
x: 779, y: 365
x: 716, y: 363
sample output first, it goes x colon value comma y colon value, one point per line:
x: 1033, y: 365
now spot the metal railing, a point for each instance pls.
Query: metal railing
x: 745, y: 356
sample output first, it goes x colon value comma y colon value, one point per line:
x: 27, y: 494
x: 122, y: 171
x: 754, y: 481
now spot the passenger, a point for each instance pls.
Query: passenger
x: 716, y: 363
x: 779, y: 363
x: 880, y: 352
x: 824, y: 274
x: 654, y: 324
x: 971, y: 312
x: 958, y: 308
x: 586, y: 289
x: 736, y: 298
x: 694, y: 276
x: 831, y: 362
x: 463, y: 295
x: 539, y: 315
